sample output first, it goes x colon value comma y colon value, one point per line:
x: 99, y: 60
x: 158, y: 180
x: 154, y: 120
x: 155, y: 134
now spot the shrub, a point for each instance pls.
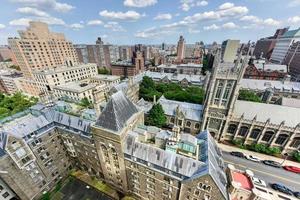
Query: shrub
x: 296, y: 156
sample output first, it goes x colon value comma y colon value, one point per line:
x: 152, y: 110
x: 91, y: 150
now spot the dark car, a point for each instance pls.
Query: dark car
x: 297, y: 194
x: 272, y: 163
x: 237, y: 154
x: 282, y: 188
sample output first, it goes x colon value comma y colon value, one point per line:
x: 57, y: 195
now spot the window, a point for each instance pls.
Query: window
x: 295, y: 143
x: 188, y: 124
x: 172, y: 120
x: 232, y: 128
x: 180, y: 122
x: 281, y: 139
x: 243, y: 131
x: 6, y: 194
x: 267, y: 136
x: 255, y: 133
x: 197, y: 126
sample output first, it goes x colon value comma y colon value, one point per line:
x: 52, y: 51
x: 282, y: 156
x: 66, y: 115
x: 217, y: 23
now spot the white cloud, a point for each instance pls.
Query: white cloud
x: 20, y: 22
x: 129, y: 15
x: 226, y: 5
x: 294, y: 20
x: 211, y: 27
x: 186, y: 5
x: 230, y: 11
x: 294, y: 3
x: 251, y: 18
x: 32, y: 11
x: 258, y: 21
x: 165, y: 16
x: 46, y: 4
x: 271, y: 22
x: 114, y: 26
x: 94, y: 22
x: 25, y: 21
x: 76, y: 26
x: 139, y: 3
x: 2, y: 26
x: 229, y: 25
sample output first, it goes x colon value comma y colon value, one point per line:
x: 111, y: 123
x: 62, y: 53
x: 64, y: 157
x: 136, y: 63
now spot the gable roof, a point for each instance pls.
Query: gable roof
x: 116, y: 113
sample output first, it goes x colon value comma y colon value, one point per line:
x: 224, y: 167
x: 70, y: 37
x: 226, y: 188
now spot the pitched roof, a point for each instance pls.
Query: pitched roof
x: 116, y: 113
x: 263, y: 112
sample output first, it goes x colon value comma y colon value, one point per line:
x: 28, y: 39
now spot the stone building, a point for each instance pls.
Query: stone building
x: 40, y: 146
x: 228, y: 118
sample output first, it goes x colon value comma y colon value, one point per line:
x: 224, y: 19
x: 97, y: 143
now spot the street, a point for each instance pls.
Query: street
x: 267, y: 173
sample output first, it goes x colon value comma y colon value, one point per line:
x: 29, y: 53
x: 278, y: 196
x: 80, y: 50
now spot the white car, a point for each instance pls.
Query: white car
x: 253, y: 158
x: 259, y: 182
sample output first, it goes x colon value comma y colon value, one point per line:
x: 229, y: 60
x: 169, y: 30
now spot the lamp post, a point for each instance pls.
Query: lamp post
x: 285, y: 157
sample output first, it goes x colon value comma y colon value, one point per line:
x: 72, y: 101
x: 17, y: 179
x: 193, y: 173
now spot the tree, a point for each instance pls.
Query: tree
x: 103, y: 70
x: 296, y: 156
x: 85, y: 103
x: 156, y: 116
x: 247, y: 95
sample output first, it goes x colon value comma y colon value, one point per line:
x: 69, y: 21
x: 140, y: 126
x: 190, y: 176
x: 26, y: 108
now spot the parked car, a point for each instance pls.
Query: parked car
x: 272, y: 163
x: 292, y: 169
x: 282, y: 188
x: 237, y: 154
x: 297, y: 194
x: 253, y: 158
x: 259, y: 182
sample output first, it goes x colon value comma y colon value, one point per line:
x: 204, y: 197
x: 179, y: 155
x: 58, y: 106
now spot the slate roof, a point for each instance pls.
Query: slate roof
x: 116, y: 113
x: 191, y: 111
x: 263, y: 112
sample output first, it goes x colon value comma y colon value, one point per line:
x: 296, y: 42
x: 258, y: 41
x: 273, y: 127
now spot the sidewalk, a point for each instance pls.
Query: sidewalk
x: 228, y: 148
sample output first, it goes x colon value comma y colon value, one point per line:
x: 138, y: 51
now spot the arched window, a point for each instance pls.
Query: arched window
x: 188, y: 124
x: 281, y: 139
x: 227, y: 91
x: 218, y: 93
x: 197, y: 126
x: 243, y: 131
x: 255, y: 133
x: 295, y: 143
x: 232, y: 128
x: 267, y: 136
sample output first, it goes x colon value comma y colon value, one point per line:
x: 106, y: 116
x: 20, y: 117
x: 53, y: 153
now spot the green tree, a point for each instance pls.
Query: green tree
x: 296, y: 156
x: 247, y: 95
x: 103, y: 70
x: 85, y: 102
x: 156, y: 116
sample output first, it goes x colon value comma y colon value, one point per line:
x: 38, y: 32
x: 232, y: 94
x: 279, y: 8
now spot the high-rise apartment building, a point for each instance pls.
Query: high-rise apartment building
x: 229, y: 50
x: 283, y: 44
x: 265, y: 46
x: 38, y: 48
x: 7, y: 54
x: 94, y: 53
x: 180, y: 49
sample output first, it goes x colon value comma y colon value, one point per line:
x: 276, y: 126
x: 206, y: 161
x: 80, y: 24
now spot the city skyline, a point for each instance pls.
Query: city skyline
x: 151, y: 21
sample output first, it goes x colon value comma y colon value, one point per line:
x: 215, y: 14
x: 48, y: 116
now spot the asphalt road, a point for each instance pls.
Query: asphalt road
x: 267, y: 173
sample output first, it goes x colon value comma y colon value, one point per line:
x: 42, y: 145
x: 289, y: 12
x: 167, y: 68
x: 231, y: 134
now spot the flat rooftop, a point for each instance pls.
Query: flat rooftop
x: 77, y: 87
x: 64, y: 68
x: 106, y: 77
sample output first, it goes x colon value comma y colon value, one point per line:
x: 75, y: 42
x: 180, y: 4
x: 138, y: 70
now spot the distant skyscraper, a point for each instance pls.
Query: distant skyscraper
x: 265, y: 46
x: 283, y: 44
x: 38, y: 48
x: 163, y: 46
x: 229, y: 50
x: 180, y: 49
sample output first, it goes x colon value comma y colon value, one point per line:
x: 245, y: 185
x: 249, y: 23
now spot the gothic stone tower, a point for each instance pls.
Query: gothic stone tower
x: 118, y: 117
x: 221, y: 94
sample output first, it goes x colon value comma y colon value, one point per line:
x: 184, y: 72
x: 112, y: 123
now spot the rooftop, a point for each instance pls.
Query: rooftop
x: 77, y: 87
x: 191, y: 111
x: 264, y: 112
x: 243, y: 180
x: 64, y: 68
x: 255, y: 84
x: 270, y: 67
x: 123, y: 63
x: 117, y: 112
x: 104, y: 77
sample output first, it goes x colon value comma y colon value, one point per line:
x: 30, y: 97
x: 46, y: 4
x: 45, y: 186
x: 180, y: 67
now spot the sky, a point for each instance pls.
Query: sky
x: 151, y: 21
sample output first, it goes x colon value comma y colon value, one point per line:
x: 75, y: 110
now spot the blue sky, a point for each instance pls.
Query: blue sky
x: 152, y: 21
